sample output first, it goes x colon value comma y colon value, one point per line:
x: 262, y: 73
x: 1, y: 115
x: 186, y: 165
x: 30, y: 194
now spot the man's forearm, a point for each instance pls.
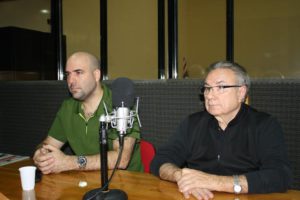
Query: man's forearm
x: 127, y: 150
x: 93, y: 162
x: 170, y: 172
x: 191, y: 178
x: 225, y: 184
x: 71, y: 163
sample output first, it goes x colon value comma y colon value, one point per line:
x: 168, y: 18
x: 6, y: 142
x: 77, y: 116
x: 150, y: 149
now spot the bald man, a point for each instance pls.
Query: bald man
x: 77, y: 122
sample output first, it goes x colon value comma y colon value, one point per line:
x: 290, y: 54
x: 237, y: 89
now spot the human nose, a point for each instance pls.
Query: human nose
x: 70, y: 79
x: 209, y: 93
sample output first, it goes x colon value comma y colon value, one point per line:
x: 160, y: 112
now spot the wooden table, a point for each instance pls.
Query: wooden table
x: 138, y: 186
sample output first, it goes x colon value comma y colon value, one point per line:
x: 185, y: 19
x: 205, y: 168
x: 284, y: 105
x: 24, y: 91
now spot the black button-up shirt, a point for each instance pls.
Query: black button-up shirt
x: 252, y: 144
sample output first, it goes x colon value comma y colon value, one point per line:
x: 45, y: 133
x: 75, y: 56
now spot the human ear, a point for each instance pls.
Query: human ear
x: 97, y: 74
x: 242, y: 93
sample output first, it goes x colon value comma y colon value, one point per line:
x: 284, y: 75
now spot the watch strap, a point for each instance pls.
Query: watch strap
x: 236, y: 184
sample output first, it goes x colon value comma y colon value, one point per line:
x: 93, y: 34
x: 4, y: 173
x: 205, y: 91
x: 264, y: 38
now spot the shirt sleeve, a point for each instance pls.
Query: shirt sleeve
x: 56, y: 130
x: 274, y: 173
x: 173, y: 152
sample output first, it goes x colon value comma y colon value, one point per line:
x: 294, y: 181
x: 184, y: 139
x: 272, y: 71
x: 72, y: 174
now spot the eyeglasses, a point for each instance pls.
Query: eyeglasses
x: 218, y: 89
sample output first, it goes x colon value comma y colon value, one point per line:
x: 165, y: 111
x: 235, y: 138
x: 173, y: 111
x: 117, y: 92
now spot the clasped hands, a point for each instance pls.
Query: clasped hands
x: 195, y: 183
x: 50, y: 159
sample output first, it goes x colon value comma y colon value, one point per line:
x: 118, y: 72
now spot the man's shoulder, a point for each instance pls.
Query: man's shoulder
x: 106, y: 90
x: 107, y: 95
x: 198, y: 116
x: 257, y: 114
x: 69, y: 104
x: 260, y: 117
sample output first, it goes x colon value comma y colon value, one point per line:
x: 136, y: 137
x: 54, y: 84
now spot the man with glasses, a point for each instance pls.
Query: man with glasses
x: 228, y: 147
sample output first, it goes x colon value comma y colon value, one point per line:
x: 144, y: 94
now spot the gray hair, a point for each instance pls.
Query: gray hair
x: 240, y: 72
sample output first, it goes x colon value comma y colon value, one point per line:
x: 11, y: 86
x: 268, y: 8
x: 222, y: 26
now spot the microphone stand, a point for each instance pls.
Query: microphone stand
x: 104, y: 193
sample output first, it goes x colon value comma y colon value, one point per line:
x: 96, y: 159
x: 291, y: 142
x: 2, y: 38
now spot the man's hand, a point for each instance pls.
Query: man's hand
x: 195, y: 183
x: 43, y: 160
x: 60, y: 161
x: 198, y: 183
x: 50, y: 159
x: 199, y: 193
x: 171, y: 172
x: 191, y: 179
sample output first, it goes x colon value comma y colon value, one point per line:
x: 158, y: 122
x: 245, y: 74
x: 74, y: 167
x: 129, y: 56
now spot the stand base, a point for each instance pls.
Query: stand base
x: 113, y: 194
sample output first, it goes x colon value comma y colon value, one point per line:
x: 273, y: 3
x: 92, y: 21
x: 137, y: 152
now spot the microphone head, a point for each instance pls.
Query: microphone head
x: 122, y: 91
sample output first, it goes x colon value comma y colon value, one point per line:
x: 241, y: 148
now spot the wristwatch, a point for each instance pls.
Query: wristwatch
x: 236, y: 184
x: 81, y: 161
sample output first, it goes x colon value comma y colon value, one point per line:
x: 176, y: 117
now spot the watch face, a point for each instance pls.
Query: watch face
x: 82, y: 161
x: 237, y: 188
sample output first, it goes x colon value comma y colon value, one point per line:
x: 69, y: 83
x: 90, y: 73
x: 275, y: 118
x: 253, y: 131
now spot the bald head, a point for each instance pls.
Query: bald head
x: 83, y: 75
x: 90, y: 60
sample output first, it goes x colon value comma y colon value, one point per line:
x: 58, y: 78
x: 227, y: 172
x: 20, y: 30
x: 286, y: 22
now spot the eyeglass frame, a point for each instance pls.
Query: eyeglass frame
x: 220, y: 88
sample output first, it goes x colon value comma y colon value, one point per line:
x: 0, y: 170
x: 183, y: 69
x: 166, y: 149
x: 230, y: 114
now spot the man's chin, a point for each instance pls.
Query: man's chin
x: 213, y: 111
x: 77, y: 96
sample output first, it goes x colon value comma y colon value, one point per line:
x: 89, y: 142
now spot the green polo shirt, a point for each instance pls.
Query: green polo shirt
x: 71, y: 126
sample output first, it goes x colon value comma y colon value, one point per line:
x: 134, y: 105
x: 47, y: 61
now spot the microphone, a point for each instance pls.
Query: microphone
x: 122, y: 92
x: 123, y: 97
x: 121, y: 118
